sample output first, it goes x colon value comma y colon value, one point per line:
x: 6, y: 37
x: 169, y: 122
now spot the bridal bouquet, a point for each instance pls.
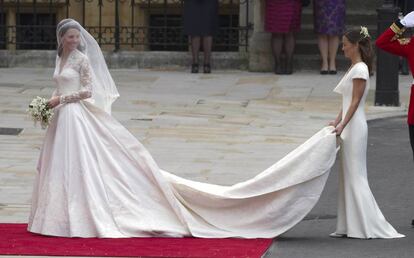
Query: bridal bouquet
x: 40, y: 111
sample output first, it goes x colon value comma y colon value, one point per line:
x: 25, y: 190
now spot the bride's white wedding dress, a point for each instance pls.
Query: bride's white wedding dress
x: 96, y: 180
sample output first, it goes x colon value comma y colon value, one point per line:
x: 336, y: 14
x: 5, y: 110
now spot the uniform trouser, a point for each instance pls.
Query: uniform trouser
x: 411, y: 130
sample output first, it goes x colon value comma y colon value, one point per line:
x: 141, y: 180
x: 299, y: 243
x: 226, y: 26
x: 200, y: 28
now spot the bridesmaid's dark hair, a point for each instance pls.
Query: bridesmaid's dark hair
x: 62, y: 32
x: 362, y: 38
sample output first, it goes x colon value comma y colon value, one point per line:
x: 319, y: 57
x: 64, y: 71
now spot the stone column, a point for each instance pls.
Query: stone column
x: 11, y: 21
x: 245, y: 18
x: 260, y: 55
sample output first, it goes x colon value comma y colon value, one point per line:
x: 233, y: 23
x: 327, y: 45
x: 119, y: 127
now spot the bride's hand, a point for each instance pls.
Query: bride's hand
x: 338, y: 129
x: 53, y: 102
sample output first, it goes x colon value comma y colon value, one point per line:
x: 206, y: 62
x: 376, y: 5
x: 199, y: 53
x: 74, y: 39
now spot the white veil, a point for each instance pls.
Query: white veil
x: 104, y: 91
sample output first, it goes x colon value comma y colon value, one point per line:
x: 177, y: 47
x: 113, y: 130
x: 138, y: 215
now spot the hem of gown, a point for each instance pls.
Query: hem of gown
x: 51, y: 234
x: 356, y: 236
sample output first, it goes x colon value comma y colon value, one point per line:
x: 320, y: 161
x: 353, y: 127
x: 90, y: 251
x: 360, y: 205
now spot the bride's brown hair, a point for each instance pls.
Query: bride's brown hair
x: 362, y: 38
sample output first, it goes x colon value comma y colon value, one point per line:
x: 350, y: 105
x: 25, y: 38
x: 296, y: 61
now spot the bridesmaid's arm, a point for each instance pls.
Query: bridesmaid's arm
x: 357, y: 93
x: 337, y: 120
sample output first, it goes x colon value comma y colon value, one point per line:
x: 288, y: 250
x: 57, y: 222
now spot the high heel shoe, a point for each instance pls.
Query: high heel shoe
x: 289, y: 66
x: 207, y: 68
x: 278, y: 67
x: 194, y: 68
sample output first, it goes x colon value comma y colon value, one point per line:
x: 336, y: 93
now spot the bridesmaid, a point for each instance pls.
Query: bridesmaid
x: 283, y: 21
x: 358, y: 213
x: 329, y: 23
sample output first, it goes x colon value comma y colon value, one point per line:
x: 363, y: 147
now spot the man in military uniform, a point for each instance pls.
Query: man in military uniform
x: 393, y: 42
x: 406, y: 6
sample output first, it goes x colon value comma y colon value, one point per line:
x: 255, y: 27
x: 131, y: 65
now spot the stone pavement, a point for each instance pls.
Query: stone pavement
x: 219, y: 128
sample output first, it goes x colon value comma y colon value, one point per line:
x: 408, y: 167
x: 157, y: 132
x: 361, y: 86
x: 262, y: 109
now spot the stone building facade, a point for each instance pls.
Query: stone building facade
x: 148, y: 33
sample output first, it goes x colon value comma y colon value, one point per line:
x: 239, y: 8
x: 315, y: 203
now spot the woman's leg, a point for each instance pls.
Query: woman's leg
x: 323, y: 45
x: 195, y: 49
x: 333, y: 50
x: 277, y: 45
x: 290, y: 43
x: 207, y: 46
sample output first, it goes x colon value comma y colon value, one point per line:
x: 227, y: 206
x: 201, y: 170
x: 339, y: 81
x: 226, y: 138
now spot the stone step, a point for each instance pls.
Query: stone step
x: 127, y: 59
x: 313, y: 62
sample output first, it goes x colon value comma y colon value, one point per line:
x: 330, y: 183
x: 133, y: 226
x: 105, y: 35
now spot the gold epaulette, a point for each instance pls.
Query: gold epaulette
x: 404, y: 41
x: 397, y: 30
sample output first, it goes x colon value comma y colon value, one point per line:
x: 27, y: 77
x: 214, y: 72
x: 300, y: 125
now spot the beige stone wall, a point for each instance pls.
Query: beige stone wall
x: 140, y: 10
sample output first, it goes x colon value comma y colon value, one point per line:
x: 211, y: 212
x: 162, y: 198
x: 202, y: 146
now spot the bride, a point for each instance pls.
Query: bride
x: 96, y: 180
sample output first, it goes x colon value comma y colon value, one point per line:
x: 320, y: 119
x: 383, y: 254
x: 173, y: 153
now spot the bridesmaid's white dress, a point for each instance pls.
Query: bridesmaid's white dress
x: 358, y: 212
x: 95, y: 179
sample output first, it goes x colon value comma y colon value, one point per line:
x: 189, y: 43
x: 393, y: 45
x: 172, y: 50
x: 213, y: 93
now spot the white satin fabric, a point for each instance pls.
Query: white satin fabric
x: 358, y: 213
x: 95, y: 179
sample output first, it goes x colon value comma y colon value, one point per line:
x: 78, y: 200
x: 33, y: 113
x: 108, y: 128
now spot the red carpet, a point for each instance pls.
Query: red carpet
x: 15, y: 240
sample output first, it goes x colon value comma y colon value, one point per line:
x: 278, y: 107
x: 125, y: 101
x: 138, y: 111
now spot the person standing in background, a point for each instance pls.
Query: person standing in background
x: 393, y: 41
x: 406, y: 6
x: 201, y: 24
x: 329, y: 24
x: 283, y: 21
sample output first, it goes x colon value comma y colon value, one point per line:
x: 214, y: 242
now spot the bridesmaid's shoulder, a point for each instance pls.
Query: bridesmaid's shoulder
x: 361, y: 66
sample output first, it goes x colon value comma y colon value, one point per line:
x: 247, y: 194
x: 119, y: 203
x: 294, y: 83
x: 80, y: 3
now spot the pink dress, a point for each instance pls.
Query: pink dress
x: 283, y: 16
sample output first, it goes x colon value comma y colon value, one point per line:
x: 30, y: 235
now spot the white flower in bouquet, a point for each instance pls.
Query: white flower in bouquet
x: 40, y: 111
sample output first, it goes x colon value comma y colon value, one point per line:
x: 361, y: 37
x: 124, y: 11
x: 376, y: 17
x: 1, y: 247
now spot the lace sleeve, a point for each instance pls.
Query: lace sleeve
x: 86, y: 84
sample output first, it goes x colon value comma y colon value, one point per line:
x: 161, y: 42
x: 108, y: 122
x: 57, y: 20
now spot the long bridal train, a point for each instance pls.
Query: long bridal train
x: 96, y: 180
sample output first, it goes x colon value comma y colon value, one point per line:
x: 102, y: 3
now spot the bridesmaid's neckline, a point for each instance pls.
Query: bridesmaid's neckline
x: 352, y: 66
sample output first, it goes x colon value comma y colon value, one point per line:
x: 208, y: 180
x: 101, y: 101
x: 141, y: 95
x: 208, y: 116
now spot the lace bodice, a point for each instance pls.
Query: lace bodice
x: 74, y: 80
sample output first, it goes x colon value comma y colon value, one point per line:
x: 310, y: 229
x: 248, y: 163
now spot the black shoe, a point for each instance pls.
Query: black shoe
x: 278, y: 68
x: 324, y: 72
x: 412, y: 223
x: 194, y: 68
x: 332, y: 72
x: 207, y: 68
x: 289, y: 66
